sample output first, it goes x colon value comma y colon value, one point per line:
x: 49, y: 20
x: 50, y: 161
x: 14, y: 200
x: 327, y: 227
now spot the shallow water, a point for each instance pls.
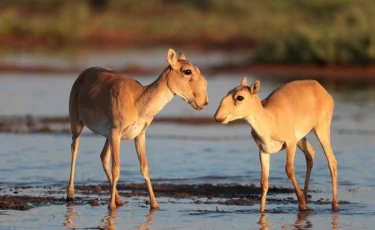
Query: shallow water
x: 186, y: 154
x: 184, y: 214
x: 189, y: 158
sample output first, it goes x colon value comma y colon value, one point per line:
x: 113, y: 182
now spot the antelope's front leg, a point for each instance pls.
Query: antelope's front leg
x: 289, y: 168
x: 140, y: 145
x: 265, y: 168
x: 309, y: 152
x: 115, y: 149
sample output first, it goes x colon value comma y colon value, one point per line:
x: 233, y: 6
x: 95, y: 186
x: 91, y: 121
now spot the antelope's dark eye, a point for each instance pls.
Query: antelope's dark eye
x: 187, y: 71
x: 239, y: 98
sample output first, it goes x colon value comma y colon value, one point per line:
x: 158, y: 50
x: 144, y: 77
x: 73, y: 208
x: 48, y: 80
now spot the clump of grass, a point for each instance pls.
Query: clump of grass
x: 339, y: 32
x: 319, y: 47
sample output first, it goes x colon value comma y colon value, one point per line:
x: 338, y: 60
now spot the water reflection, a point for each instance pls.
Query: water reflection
x: 335, y: 220
x: 263, y: 222
x: 106, y: 223
x: 70, y: 216
x: 146, y: 225
x: 302, y: 221
x: 108, y: 220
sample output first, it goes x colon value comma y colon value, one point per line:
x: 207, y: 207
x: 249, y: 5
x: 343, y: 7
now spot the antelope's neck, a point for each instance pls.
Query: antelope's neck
x: 261, y: 121
x: 155, y: 96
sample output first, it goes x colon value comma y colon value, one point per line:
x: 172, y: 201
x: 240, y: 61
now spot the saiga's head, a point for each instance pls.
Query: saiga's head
x: 186, y: 81
x: 238, y: 103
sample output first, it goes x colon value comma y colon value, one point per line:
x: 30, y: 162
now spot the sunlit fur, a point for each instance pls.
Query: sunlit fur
x: 121, y: 108
x: 282, y: 121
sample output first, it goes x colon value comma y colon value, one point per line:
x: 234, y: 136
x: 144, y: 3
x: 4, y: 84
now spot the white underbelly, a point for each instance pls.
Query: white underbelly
x: 103, y: 128
x: 133, y: 130
x: 270, y: 146
x: 301, y: 133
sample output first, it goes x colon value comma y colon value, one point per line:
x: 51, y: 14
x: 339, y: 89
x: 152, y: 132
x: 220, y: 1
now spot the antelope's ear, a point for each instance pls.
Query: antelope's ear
x: 244, y: 81
x: 182, y: 56
x: 254, y: 88
x: 171, y: 58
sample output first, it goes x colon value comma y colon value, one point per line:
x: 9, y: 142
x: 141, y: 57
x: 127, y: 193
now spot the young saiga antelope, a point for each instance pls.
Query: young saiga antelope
x: 120, y: 108
x: 282, y: 121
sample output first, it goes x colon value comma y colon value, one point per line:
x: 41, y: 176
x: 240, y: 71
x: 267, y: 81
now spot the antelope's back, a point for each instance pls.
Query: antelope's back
x: 102, y: 92
x: 303, y: 101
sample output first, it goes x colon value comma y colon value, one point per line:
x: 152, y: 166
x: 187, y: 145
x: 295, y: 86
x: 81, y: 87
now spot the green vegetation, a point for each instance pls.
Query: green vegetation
x: 283, y: 31
x: 342, y: 32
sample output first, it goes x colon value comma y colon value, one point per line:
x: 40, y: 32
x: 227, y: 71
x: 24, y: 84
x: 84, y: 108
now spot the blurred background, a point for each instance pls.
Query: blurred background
x: 331, y: 32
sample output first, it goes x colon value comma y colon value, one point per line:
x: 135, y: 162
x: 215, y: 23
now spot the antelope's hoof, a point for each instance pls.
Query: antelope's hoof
x: 69, y: 199
x: 303, y: 208
x: 155, y: 207
x: 335, y: 207
x: 112, y: 206
x: 119, y: 202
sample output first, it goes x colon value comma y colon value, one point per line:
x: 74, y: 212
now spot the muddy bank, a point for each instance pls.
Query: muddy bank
x: 27, y: 197
x: 40, y: 124
x: 284, y: 72
x: 42, y: 69
x: 60, y: 124
x: 291, y: 72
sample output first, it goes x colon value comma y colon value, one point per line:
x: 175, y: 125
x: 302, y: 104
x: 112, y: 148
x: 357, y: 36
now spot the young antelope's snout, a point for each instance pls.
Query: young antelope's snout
x: 238, y: 103
x: 220, y: 118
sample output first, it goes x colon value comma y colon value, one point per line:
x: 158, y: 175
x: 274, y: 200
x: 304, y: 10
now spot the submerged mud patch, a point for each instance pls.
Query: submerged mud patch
x: 185, y: 190
x: 28, y: 197
x: 27, y: 202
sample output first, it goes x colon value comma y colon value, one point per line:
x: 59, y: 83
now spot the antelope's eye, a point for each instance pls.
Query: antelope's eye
x: 187, y: 71
x: 239, y: 98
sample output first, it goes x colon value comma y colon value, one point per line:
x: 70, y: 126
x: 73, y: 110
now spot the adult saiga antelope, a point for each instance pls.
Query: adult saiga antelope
x: 121, y: 108
x: 282, y: 120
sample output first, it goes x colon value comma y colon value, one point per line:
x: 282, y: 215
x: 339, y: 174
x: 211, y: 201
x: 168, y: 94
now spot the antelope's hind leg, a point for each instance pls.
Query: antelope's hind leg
x: 76, y: 127
x: 323, y: 134
x: 105, y: 157
x: 305, y: 146
x: 140, y: 145
x: 114, y: 141
x: 289, y: 168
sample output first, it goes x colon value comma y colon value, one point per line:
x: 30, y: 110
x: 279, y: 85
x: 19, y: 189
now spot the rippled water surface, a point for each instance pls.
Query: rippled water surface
x: 187, y: 215
x: 186, y: 154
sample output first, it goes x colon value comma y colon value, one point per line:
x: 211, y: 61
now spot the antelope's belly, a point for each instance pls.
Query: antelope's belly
x: 270, y: 146
x: 134, y: 130
x: 102, y: 127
